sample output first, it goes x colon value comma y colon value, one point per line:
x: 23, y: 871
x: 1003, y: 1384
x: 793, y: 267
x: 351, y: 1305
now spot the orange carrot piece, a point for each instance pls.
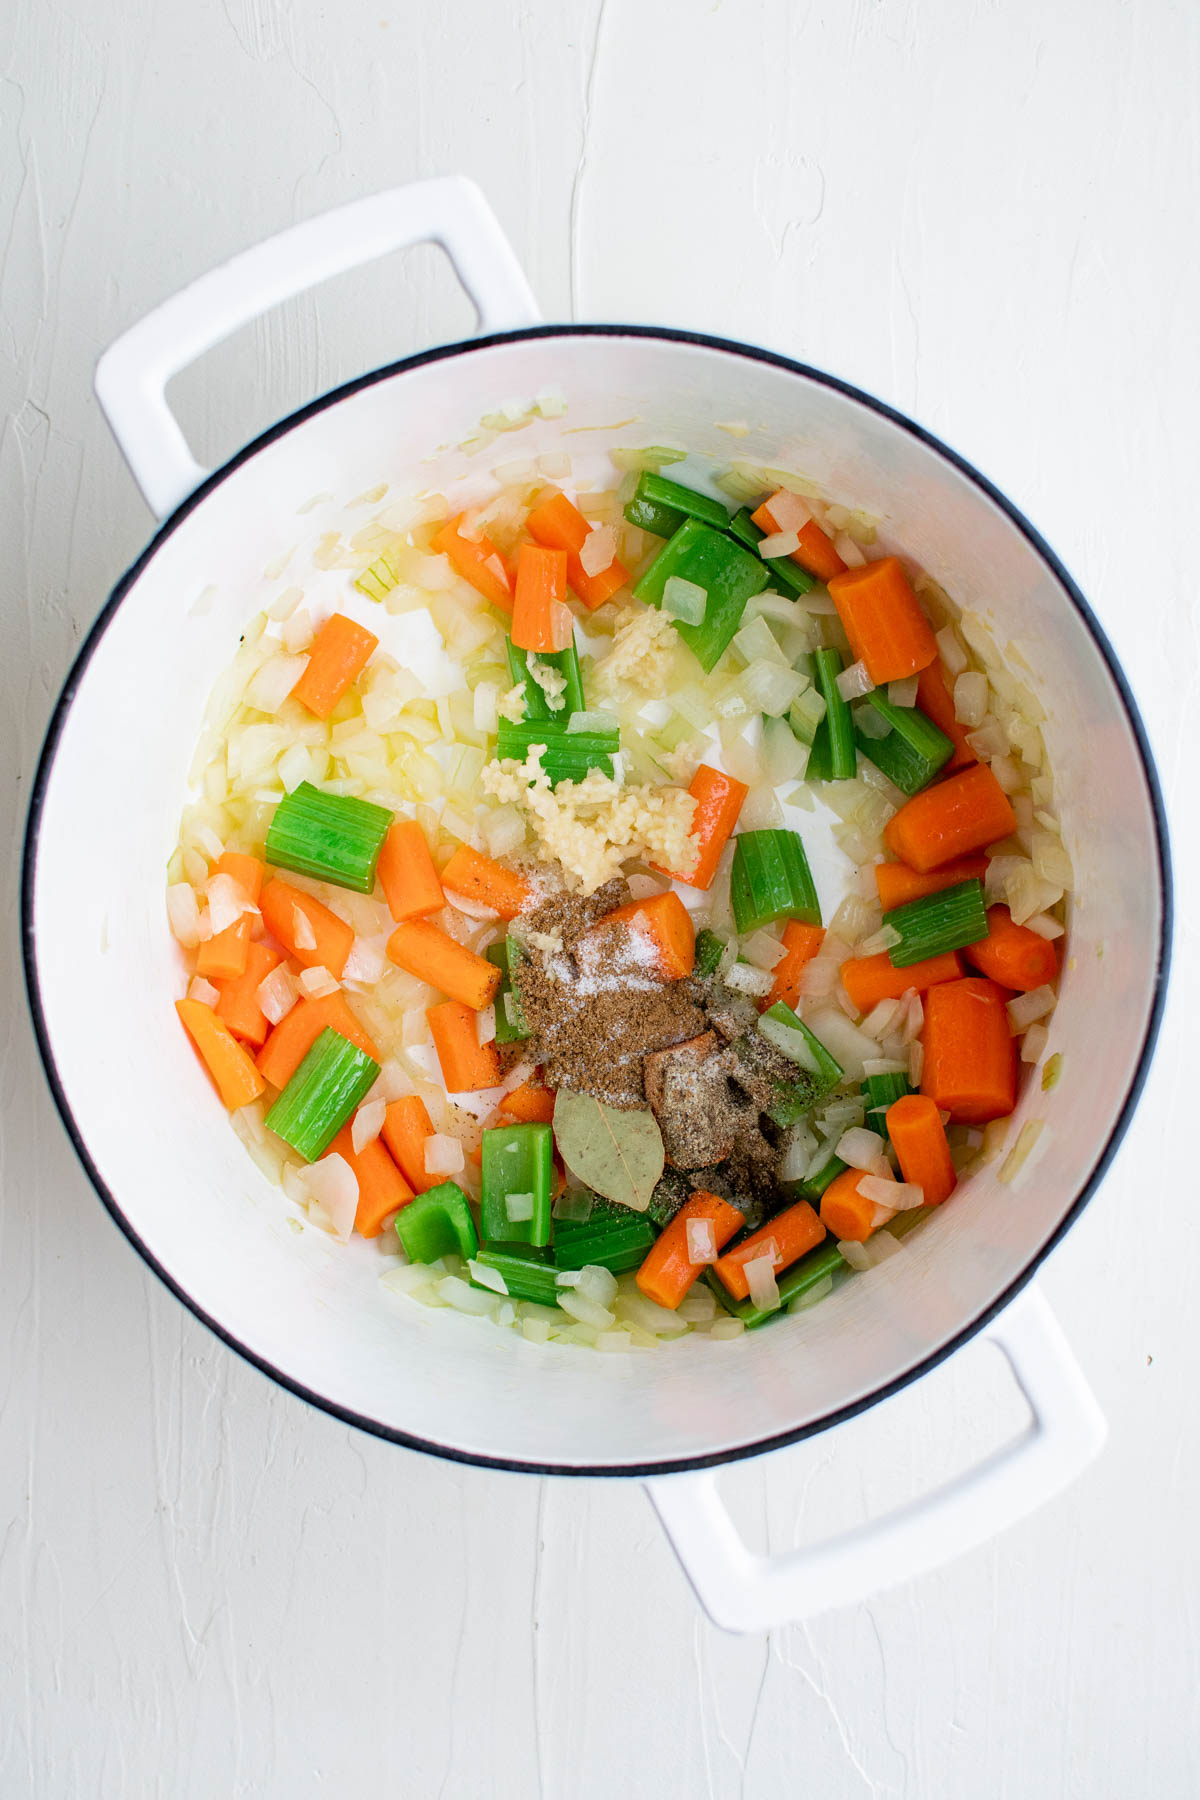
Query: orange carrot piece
x: 846, y: 1213
x: 882, y: 617
x: 246, y: 871
x: 817, y: 552
x: 918, y: 1137
x: 382, y: 1189
x: 665, y: 920
x: 898, y: 884
x: 794, y: 1233
x: 970, y: 1067
x: 423, y: 950
x: 224, y: 955
x: 558, y: 525
x: 337, y: 656
x: 719, y: 799
x: 296, y: 1033
x: 238, y: 1005
x: 531, y: 1105
x: 800, y: 944
x: 406, y: 1126
x: 951, y: 819
x: 479, y: 878
x: 937, y: 703
x: 280, y: 905
x: 1013, y: 955
x: 407, y: 874
x: 870, y: 979
x: 668, y: 1271
x: 467, y: 1065
x: 236, y: 1079
x: 537, y: 623
x: 478, y: 561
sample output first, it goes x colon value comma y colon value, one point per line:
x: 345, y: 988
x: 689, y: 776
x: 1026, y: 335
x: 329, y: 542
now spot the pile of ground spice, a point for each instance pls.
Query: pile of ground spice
x: 592, y: 999
x: 603, y: 1022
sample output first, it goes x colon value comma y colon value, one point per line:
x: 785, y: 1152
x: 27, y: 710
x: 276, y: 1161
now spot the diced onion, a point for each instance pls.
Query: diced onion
x: 881, y: 1019
x: 701, y: 1241
x: 861, y: 1149
x: 854, y: 682
x: 277, y: 993
x: 1023, y: 1009
x: 950, y: 650
x: 789, y: 512
x: 463, y: 1297
x: 760, y: 1279
x: 761, y: 949
x: 317, y: 982
x: 304, y: 936
x: 1033, y: 1044
x: 588, y: 1312
x: 848, y: 550
x: 595, y: 720
x: 903, y: 693
x: 854, y: 1254
x: 518, y: 1207
x: 790, y: 1043
x: 183, y: 914
x: 778, y: 543
x: 443, y: 1155
x: 798, y: 1155
x: 274, y: 682
x: 970, y: 698
x: 485, y: 702
x: 227, y: 902
x: 916, y: 1062
x: 596, y: 1284
x: 365, y: 963
x: 744, y: 978
x: 297, y: 631
x: 725, y: 1329
x: 898, y: 1196
x: 367, y: 1125
x: 685, y: 600
x: 845, y: 1042
x: 598, y: 550
x: 333, y: 1185
x: 203, y: 991
x: 487, y: 1278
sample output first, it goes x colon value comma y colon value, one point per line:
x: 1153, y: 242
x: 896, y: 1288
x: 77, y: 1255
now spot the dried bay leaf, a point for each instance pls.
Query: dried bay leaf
x: 618, y: 1154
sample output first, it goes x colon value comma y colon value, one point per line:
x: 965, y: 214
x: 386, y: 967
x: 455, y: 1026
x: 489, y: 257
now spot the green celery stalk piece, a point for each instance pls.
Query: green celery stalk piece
x: 771, y: 880
x: 536, y: 704
x: 787, y: 577
x: 828, y: 1071
x: 611, y: 1237
x: 332, y: 837
x: 661, y: 491
x: 820, y: 758
x: 729, y: 575
x: 838, y: 722
x: 528, y: 1272
x: 321, y: 1095
x: 948, y: 920
x: 511, y: 1027
x: 825, y: 1260
x: 437, y: 1223
x: 568, y: 754
x: 661, y: 521
x: 517, y: 1159
x: 880, y: 1092
x: 814, y: 1185
x: 709, y: 951
x: 913, y: 751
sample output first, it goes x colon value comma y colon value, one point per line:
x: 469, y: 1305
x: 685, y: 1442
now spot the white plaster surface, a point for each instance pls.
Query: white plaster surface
x: 983, y: 212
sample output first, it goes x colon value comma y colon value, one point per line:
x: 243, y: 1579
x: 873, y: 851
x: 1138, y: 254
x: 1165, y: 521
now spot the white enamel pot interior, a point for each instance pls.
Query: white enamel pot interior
x: 310, y: 1312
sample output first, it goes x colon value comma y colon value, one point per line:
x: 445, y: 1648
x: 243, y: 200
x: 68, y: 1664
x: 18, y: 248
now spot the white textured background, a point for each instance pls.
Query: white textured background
x: 985, y: 212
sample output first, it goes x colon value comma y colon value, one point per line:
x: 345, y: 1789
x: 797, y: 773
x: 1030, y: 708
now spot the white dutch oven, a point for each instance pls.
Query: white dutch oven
x: 310, y: 1313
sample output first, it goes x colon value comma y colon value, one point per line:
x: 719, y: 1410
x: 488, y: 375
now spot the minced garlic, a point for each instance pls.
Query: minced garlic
x: 552, y: 682
x: 643, y: 650
x: 511, y: 706
x: 593, y: 826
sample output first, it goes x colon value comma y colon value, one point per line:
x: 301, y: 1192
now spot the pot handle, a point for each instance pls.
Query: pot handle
x: 743, y: 1591
x: 132, y: 375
